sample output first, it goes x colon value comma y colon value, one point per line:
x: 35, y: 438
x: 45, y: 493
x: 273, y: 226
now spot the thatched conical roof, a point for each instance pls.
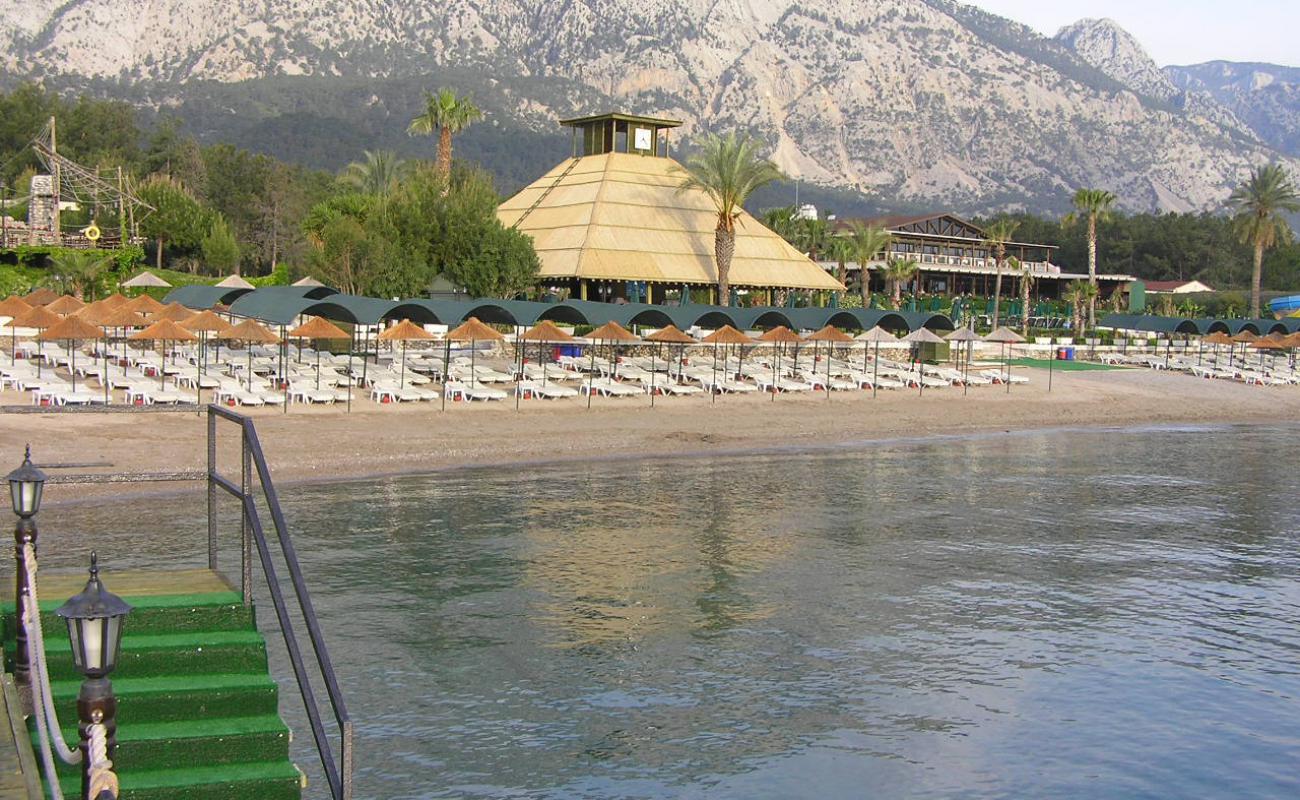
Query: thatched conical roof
x: 116, y: 300
x: 307, y: 281
x: 963, y: 335
x: 671, y: 335
x: 234, y: 282
x: 927, y: 336
x: 1218, y: 337
x: 40, y: 297
x: 125, y: 318
x: 405, y: 331
x: 13, y: 305
x: 726, y: 335
x: 611, y: 332
x: 471, y: 330
x: 164, y: 330
x: 35, y: 317
x: 1004, y: 335
x: 250, y: 331
x: 620, y: 216
x: 144, y: 304
x: 205, y: 321
x: 877, y: 334
x: 545, y: 331
x: 66, y: 304
x: 71, y: 327
x: 174, y: 312
x: 781, y: 335
x: 94, y: 313
x: 317, y: 328
x: 146, y: 279
x: 1244, y: 337
x: 830, y: 333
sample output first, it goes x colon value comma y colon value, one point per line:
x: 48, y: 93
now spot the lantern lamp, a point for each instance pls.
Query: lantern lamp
x: 94, y: 620
x: 26, y: 484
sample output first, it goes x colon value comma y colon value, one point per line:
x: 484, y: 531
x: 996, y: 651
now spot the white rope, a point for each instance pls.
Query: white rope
x: 36, y: 655
x: 102, y: 777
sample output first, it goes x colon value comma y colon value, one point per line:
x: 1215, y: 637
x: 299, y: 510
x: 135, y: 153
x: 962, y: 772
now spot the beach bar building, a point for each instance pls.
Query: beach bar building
x: 610, y: 223
x: 952, y: 258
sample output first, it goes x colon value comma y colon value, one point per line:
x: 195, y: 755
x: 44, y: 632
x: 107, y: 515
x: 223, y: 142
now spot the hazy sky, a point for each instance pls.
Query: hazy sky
x: 1179, y: 31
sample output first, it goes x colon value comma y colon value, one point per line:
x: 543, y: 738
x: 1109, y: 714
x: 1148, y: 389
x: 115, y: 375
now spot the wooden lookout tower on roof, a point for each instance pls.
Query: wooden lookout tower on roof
x: 611, y: 221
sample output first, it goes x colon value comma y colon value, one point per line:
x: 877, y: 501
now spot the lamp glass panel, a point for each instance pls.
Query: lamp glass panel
x: 93, y: 642
x: 112, y: 641
x: 74, y: 636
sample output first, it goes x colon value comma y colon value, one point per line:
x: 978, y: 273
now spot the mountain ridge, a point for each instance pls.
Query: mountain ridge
x: 913, y: 101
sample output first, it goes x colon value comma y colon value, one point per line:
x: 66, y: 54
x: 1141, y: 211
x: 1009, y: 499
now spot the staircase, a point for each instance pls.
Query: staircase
x: 197, y: 708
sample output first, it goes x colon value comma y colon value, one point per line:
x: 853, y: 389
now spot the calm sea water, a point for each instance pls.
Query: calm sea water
x: 1096, y: 614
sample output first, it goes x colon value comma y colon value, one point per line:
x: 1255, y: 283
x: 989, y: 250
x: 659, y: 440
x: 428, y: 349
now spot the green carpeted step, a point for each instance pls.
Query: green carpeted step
x: 160, y: 655
x: 211, y: 611
x: 180, y: 697
x: 265, y: 780
x: 213, y: 742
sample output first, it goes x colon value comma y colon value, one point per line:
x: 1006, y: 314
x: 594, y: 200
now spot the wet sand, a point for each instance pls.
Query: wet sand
x: 316, y: 443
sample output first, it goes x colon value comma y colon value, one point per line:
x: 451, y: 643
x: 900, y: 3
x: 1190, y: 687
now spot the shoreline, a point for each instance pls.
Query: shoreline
x: 317, y: 445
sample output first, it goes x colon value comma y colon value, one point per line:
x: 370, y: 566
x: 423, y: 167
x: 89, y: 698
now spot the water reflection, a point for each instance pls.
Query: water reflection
x: 1064, y: 615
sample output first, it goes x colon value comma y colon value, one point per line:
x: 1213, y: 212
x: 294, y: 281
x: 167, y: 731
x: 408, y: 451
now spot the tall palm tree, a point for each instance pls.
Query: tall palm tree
x: 868, y: 243
x: 897, y: 272
x: 378, y: 174
x: 813, y: 236
x: 1260, y: 203
x: 1096, y: 205
x: 781, y: 221
x: 728, y: 169
x: 996, y: 238
x: 447, y: 113
x: 840, y: 249
x: 1026, y: 282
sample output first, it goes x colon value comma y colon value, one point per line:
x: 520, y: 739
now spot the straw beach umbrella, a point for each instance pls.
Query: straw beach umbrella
x: 917, y: 338
x: 779, y: 337
x: 64, y: 305
x: 115, y: 300
x: 250, y: 332
x: 472, y: 331
x: 968, y: 337
x: 120, y: 320
x: 832, y: 336
x: 13, y: 307
x: 1244, y: 337
x: 73, y: 329
x: 146, y: 280
x: 1217, y: 338
x: 204, y: 323
x: 669, y: 335
x: 39, y: 318
x: 40, y: 297
x: 404, y: 332
x: 724, y: 336
x: 1005, y: 336
x: 317, y: 329
x: 612, y: 333
x: 544, y: 332
x: 164, y: 330
x: 234, y: 282
x: 172, y: 311
x: 144, y: 304
x: 875, y: 336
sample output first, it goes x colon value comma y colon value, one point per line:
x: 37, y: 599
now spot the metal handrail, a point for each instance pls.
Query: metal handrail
x: 339, y: 776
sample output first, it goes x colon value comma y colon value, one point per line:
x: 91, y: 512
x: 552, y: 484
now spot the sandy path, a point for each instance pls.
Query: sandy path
x: 323, y: 443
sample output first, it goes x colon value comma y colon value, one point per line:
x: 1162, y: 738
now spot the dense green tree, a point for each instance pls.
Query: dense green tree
x: 728, y: 169
x: 378, y: 173
x: 841, y: 251
x: 1260, y: 204
x: 899, y: 271
x: 177, y: 220
x: 219, y: 248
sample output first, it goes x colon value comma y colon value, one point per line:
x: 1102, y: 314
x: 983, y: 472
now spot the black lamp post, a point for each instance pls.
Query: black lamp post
x: 95, y: 620
x: 26, y: 485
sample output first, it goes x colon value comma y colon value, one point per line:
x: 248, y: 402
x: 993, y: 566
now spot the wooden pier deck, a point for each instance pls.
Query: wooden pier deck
x: 20, y: 778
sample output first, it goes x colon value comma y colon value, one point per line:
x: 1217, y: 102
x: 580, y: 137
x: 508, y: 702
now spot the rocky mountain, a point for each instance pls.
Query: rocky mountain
x: 1264, y: 96
x: 1115, y: 51
x: 907, y: 101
